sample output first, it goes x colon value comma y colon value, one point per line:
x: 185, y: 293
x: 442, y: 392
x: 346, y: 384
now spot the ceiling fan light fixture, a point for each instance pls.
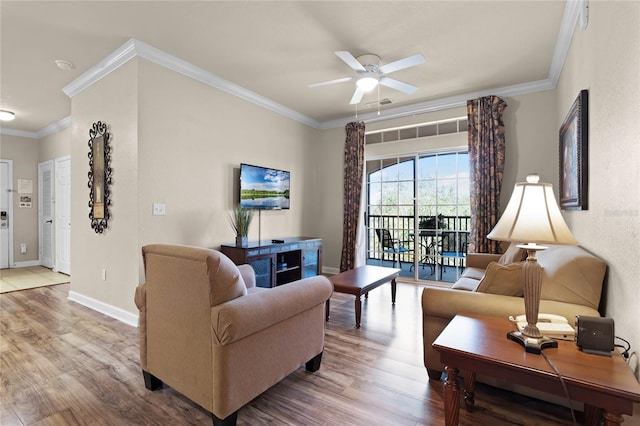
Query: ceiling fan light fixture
x: 6, y: 115
x: 367, y: 83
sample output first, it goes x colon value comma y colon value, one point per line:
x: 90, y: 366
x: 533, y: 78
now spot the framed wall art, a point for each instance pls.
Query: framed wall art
x: 574, y: 153
x: 99, y: 176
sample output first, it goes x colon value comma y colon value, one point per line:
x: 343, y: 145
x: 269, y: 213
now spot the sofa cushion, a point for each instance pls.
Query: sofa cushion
x: 225, y: 279
x: 571, y: 274
x: 465, y: 283
x: 506, y: 280
x: 473, y: 273
x: 513, y: 254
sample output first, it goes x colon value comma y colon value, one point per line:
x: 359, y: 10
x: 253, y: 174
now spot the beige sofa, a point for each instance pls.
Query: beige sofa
x: 492, y: 284
x: 210, y: 334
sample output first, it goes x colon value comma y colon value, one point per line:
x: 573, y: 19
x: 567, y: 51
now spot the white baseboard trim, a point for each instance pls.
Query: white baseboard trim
x: 104, y: 308
x: 26, y: 264
x: 330, y: 271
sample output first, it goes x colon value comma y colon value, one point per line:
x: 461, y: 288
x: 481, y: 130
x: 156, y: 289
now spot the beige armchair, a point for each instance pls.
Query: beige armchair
x: 210, y: 334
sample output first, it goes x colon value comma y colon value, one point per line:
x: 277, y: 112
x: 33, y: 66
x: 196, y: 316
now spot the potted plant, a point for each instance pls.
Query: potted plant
x: 240, y: 220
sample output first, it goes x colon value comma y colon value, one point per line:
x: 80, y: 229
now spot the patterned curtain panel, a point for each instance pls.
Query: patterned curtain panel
x: 353, y: 169
x: 486, y: 157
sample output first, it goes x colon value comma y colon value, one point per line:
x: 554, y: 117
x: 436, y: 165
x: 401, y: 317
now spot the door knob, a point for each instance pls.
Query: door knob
x: 49, y: 221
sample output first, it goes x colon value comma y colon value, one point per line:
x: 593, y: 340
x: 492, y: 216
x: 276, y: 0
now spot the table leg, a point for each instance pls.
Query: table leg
x: 469, y: 390
x: 358, y: 308
x: 451, y: 397
x: 612, y: 419
x: 393, y: 291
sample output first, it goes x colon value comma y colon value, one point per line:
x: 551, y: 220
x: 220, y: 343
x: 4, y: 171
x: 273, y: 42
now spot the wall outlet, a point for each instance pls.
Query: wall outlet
x: 23, y: 248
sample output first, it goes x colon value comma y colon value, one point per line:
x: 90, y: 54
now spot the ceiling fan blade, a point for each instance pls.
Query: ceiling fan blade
x: 325, y: 83
x: 350, y: 60
x: 398, y: 85
x: 357, y: 96
x: 403, y: 63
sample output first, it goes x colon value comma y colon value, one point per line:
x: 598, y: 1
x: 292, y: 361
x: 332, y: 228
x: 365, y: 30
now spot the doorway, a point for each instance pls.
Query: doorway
x: 45, y: 213
x: 6, y: 214
x: 54, y: 214
x: 63, y: 214
x: 422, y: 202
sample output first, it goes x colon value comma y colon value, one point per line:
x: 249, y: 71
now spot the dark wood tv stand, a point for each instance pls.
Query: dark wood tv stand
x: 279, y: 263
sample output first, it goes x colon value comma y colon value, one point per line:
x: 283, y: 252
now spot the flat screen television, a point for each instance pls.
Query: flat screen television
x: 264, y: 188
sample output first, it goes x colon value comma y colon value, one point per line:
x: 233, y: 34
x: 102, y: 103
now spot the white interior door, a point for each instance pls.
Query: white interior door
x: 45, y: 213
x: 6, y: 213
x: 63, y: 215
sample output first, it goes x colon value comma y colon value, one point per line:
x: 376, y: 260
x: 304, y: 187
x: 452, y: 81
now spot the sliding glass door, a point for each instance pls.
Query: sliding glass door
x: 418, y: 214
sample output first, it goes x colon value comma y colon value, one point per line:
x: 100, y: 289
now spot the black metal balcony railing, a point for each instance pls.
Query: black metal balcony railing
x: 452, y: 234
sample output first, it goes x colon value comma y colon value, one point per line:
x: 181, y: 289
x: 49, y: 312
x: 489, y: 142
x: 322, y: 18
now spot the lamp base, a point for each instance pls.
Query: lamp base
x: 533, y: 345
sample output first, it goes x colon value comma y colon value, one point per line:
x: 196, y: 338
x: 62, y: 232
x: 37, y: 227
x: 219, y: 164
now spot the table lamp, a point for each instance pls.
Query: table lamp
x: 532, y: 217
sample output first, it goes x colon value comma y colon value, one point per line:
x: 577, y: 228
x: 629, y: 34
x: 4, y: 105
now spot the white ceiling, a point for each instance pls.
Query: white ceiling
x: 276, y: 49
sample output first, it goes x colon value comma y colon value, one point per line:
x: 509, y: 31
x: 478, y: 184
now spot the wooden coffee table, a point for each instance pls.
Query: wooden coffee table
x: 360, y: 281
x: 478, y: 344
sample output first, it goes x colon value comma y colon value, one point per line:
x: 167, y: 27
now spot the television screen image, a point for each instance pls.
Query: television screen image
x: 263, y: 188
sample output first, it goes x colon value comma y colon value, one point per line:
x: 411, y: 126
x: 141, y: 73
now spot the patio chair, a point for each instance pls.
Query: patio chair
x: 390, y: 244
x: 449, y: 248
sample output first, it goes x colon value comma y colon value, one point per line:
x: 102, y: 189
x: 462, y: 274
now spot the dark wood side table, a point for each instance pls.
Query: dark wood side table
x: 478, y: 344
x: 360, y: 281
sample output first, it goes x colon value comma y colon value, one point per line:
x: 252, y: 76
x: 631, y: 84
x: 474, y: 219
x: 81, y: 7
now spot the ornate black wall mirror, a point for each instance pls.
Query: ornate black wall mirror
x: 99, y: 176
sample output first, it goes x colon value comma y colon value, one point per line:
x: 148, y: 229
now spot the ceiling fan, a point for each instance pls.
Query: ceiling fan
x: 371, y: 73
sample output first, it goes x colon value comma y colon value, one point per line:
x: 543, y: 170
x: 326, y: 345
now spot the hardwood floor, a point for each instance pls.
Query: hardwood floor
x: 64, y: 364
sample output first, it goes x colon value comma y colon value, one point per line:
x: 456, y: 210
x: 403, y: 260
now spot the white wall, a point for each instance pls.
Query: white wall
x: 192, y: 141
x: 604, y: 59
x: 112, y: 100
x: 56, y: 145
x: 179, y: 142
x: 24, y: 154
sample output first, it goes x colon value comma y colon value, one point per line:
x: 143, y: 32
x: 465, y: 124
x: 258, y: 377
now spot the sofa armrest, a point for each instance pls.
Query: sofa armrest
x: 248, y: 275
x: 245, y: 315
x: 481, y: 260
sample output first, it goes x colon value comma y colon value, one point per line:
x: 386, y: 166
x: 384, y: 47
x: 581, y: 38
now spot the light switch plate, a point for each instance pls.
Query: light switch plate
x: 158, y: 209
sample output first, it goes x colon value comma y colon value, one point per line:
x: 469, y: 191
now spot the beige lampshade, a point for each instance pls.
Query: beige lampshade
x: 532, y: 216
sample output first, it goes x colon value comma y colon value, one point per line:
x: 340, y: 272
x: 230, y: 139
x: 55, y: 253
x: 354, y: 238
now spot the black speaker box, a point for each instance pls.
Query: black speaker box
x: 595, y: 335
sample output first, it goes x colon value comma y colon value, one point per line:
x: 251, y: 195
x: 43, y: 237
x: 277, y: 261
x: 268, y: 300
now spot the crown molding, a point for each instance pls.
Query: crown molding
x: 134, y: 48
x: 173, y: 63
x: 441, y: 104
x: 20, y: 133
x: 45, y: 131
x: 567, y: 28
x: 55, y: 127
x: 112, y: 62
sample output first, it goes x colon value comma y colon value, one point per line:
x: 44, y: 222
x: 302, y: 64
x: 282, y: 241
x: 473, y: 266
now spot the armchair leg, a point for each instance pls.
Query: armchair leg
x: 230, y: 420
x: 151, y: 382
x: 313, y: 364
